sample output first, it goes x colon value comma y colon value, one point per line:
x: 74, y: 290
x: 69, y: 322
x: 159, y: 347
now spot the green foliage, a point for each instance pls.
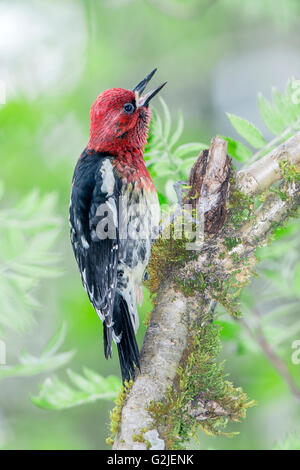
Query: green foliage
x: 284, y: 108
x: 90, y: 387
x: 28, y: 232
x: 168, y: 162
x: 271, y: 116
x: 270, y: 305
x: 277, y: 290
x: 247, y: 130
x: 237, y: 150
x: 281, y: 117
x: 48, y: 360
x: 291, y: 442
x: 241, y: 207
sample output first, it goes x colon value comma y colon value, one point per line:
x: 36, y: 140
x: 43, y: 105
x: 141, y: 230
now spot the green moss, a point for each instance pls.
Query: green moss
x: 201, y: 383
x: 115, y: 414
x: 288, y: 171
x: 138, y: 437
x: 226, y: 292
x: 283, y: 196
x: 147, y: 318
x: 232, y: 242
x: 241, y: 207
x: 289, y: 174
x: 141, y: 438
x: 189, y: 286
x: 236, y: 258
x: 168, y: 255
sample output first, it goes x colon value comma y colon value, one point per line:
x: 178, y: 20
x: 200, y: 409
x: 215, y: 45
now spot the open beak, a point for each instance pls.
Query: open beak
x: 140, y: 87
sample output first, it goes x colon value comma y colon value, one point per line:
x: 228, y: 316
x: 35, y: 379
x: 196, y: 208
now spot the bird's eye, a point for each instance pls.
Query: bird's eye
x: 128, y: 108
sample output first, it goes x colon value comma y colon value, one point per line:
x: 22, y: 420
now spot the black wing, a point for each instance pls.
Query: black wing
x: 94, y: 203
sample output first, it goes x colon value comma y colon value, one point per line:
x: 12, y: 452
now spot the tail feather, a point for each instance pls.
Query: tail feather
x: 123, y: 330
x: 127, y: 345
x: 107, y: 340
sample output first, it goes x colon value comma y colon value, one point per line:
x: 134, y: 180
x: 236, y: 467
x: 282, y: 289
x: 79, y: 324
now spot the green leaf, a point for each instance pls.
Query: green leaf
x: 89, y: 387
x: 162, y: 167
x: 179, y: 129
x: 271, y: 117
x: 247, y: 130
x: 48, y: 360
x: 291, y: 442
x: 169, y: 191
x: 167, y: 120
x: 186, y: 165
x: 283, y: 231
x: 284, y: 107
x: 55, y: 342
x: 237, y: 150
x: 165, y: 162
x: 186, y: 149
x: 296, y: 282
x: 25, y: 370
x: 28, y: 232
x: 229, y: 330
x: 293, y: 94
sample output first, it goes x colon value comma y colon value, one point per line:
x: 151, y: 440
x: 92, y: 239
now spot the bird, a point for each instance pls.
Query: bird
x: 114, y: 215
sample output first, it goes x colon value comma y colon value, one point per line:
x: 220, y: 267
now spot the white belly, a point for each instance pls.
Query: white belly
x: 140, y: 224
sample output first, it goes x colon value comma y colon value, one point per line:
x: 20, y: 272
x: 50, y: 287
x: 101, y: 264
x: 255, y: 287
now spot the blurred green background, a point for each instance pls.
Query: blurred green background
x: 55, y: 58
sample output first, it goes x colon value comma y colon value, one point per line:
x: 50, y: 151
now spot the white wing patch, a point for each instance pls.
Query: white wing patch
x: 113, y: 208
x: 107, y: 174
x: 84, y: 242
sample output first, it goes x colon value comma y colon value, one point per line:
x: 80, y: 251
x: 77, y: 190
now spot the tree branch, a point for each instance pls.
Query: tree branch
x: 177, y: 316
x: 264, y: 172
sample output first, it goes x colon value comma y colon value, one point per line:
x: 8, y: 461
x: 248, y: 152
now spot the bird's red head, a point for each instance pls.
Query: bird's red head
x: 120, y: 119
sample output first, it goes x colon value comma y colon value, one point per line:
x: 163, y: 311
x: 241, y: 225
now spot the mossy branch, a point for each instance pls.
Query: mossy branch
x: 260, y: 176
x: 181, y: 385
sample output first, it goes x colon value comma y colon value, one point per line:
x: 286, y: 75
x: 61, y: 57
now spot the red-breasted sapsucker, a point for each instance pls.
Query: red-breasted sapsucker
x: 114, y: 211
